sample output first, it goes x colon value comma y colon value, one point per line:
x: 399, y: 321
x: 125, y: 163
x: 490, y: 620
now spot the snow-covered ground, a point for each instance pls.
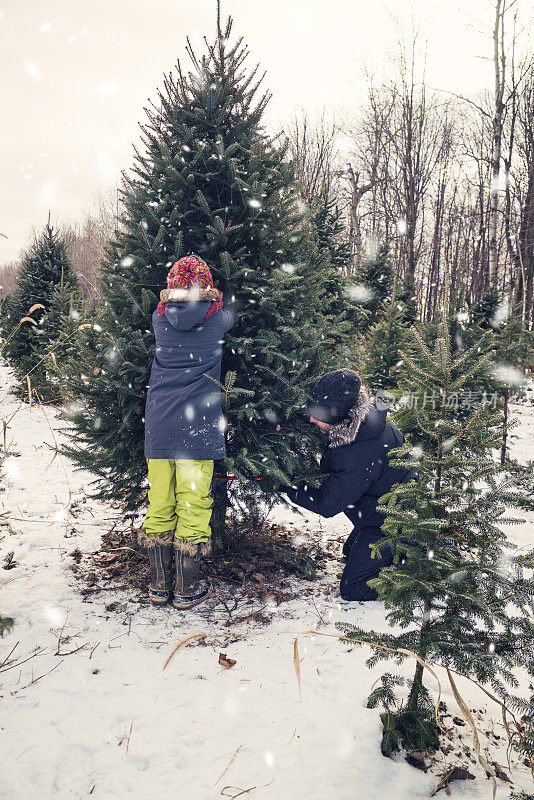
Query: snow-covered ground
x: 90, y: 712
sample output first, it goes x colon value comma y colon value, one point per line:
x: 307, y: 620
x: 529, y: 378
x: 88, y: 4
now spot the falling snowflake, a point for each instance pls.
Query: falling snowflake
x: 501, y: 314
x: 11, y: 468
x: 33, y: 70
x: 56, y: 615
x: 112, y: 356
x: 402, y: 227
x: 499, y: 182
x: 508, y: 375
x: 48, y: 193
x: 109, y: 88
x: 360, y: 293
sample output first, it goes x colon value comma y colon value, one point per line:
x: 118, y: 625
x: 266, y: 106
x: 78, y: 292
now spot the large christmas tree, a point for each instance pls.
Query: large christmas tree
x: 211, y: 181
x: 453, y: 588
x: 47, y: 286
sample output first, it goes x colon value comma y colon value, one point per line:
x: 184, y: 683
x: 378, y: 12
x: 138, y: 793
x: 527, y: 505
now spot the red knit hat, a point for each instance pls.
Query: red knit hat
x: 185, y: 273
x: 188, y: 270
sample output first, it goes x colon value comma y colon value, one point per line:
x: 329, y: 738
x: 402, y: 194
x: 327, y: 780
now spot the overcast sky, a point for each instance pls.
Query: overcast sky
x: 76, y: 75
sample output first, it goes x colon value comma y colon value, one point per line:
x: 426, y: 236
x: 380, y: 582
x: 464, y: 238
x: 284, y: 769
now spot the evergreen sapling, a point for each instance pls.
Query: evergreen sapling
x: 453, y: 588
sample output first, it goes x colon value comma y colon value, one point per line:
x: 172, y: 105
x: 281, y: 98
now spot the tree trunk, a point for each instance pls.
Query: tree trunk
x: 417, y: 683
x: 499, y: 65
x: 505, y: 432
x: 220, y: 505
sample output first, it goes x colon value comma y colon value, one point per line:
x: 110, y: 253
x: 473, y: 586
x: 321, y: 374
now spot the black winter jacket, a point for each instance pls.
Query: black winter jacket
x: 358, y: 474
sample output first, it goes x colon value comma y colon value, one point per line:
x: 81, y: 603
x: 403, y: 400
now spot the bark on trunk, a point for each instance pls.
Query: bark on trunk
x: 220, y: 506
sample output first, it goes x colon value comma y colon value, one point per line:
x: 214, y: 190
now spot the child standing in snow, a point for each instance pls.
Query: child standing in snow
x: 184, y: 431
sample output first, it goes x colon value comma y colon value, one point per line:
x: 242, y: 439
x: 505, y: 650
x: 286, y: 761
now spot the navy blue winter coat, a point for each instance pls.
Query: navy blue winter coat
x: 183, y: 412
x: 358, y: 474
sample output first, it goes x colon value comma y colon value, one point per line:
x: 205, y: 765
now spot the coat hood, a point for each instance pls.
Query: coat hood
x: 364, y: 421
x: 186, y: 315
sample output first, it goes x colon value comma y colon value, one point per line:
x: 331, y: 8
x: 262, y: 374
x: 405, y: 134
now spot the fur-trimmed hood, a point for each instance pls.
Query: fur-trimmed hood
x: 194, y: 294
x: 345, y: 432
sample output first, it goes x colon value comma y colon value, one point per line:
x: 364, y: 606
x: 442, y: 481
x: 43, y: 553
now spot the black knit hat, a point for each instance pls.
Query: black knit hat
x: 334, y: 395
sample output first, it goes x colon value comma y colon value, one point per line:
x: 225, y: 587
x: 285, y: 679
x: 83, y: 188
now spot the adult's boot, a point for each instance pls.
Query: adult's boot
x: 190, y: 588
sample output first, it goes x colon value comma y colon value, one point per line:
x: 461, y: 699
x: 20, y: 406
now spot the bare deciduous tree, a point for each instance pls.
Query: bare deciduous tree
x: 314, y: 150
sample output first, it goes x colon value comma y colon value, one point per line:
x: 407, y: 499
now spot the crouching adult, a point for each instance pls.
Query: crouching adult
x: 356, y: 460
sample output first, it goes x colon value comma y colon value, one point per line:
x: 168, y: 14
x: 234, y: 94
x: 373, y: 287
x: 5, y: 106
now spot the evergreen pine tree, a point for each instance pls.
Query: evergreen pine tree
x: 328, y: 230
x: 452, y: 589
x: 382, y: 363
x: 512, y: 343
x: 375, y: 275
x: 5, y: 314
x: 61, y: 327
x: 484, y: 308
x: 46, y: 269
x: 212, y: 182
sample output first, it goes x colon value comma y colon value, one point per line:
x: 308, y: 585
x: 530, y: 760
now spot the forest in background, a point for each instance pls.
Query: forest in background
x: 447, y: 181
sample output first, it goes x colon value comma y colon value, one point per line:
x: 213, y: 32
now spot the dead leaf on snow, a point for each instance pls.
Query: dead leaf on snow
x: 500, y: 773
x: 455, y: 774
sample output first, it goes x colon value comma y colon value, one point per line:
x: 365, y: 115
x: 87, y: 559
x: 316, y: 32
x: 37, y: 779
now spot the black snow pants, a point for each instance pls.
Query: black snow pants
x: 360, y: 567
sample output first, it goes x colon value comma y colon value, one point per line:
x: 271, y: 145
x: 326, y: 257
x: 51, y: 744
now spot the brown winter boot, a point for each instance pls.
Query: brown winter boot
x: 189, y: 589
x: 159, y: 549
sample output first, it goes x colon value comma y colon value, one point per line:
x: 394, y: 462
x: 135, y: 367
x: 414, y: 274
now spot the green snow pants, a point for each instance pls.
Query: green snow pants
x: 179, y: 502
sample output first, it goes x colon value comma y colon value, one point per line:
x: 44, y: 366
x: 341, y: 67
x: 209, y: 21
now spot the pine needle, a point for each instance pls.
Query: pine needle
x: 35, y: 305
x: 228, y: 765
x: 476, y: 742
x: 183, y: 643
x: 296, y: 658
x: 296, y: 664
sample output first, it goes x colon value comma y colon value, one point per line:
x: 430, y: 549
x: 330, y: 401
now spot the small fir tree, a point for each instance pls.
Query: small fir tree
x: 452, y: 588
x: 345, y: 318
x: 61, y: 327
x: 46, y: 270
x: 375, y: 275
x: 382, y: 362
x: 512, y: 343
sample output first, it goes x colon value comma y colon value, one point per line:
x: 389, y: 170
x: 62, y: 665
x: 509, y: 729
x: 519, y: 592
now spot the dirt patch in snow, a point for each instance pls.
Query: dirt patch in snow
x: 263, y: 568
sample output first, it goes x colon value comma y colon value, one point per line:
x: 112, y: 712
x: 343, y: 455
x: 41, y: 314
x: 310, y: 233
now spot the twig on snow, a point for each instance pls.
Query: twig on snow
x: 24, y: 660
x: 34, y: 680
x: 228, y: 765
